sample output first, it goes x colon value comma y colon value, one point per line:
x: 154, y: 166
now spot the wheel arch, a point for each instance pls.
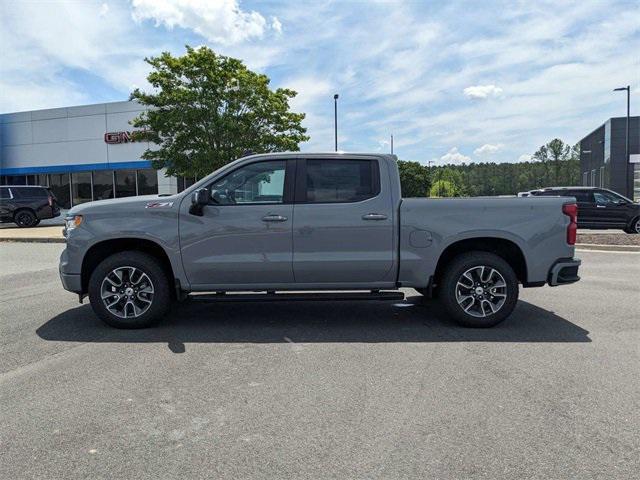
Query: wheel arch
x: 22, y: 209
x: 101, y: 250
x: 507, y: 249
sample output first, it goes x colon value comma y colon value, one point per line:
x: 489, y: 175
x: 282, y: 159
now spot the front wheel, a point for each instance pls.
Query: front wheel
x: 479, y: 289
x: 634, y: 227
x: 129, y: 290
x: 25, y: 219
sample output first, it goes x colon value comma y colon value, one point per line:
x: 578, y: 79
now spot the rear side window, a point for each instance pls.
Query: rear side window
x: 339, y: 181
x: 582, y: 196
x: 29, y: 192
x: 4, y: 193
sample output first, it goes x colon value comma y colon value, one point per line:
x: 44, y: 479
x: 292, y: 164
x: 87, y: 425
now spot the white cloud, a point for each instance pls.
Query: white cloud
x: 480, y: 92
x: 276, y: 25
x: 525, y: 158
x: 453, y: 156
x: 220, y: 21
x: 488, y: 149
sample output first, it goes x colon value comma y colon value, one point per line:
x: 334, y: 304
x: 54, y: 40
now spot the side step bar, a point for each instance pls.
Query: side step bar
x: 296, y: 296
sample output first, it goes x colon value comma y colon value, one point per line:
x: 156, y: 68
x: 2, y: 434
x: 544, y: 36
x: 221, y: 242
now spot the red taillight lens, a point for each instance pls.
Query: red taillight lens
x: 571, y: 210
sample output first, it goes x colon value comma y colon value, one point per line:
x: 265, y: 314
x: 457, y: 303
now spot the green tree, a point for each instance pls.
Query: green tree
x: 554, y: 152
x: 443, y: 188
x: 207, y: 110
x: 414, y: 179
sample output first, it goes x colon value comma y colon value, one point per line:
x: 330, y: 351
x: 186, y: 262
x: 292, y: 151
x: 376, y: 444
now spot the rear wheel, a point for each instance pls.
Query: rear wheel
x: 479, y: 289
x: 25, y: 219
x: 129, y: 290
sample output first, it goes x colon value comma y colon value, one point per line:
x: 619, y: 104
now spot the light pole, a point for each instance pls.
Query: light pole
x: 628, y: 89
x: 335, y: 119
x: 391, y: 144
x: 585, y: 181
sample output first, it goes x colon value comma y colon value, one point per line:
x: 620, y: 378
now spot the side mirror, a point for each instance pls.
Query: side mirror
x: 199, y: 199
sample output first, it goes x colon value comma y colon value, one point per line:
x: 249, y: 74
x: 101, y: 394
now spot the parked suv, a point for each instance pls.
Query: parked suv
x: 597, y: 207
x: 27, y: 205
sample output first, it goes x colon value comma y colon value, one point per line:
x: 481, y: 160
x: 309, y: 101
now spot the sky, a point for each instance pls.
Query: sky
x: 452, y: 81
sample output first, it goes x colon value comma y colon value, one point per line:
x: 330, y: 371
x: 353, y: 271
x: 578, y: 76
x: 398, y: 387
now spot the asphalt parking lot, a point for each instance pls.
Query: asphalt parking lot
x: 321, y: 389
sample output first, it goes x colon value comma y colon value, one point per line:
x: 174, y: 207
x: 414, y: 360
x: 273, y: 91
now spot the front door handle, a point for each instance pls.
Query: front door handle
x: 374, y: 216
x: 274, y: 218
x: 601, y: 206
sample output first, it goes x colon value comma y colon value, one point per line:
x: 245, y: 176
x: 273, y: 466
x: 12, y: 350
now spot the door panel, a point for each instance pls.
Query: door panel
x: 608, y: 209
x: 336, y: 240
x: 586, y: 207
x: 235, y: 245
x: 244, y: 235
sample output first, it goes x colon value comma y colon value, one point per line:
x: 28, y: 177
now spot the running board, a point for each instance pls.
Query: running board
x: 296, y: 296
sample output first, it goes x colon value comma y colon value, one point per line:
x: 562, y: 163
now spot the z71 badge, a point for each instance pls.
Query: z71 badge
x: 159, y: 205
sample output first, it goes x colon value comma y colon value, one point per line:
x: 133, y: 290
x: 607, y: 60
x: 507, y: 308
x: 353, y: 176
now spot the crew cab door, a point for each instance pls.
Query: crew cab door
x: 610, y: 209
x: 243, y: 237
x: 586, y: 206
x: 343, y: 222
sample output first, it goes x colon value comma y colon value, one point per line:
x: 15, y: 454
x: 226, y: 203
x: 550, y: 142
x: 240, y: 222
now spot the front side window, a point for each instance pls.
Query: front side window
x: 256, y: 183
x: 606, y: 198
x: 4, y: 193
x: 331, y: 181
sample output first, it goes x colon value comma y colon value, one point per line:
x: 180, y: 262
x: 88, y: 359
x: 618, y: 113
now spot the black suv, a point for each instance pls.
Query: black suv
x: 27, y: 205
x: 598, y: 207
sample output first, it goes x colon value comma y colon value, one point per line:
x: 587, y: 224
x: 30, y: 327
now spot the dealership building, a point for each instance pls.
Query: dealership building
x: 82, y: 153
x: 603, y: 160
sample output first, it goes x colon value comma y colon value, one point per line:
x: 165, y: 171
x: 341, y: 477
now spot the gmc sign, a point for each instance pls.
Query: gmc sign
x: 122, y: 137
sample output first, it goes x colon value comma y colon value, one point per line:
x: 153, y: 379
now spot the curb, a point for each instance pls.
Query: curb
x: 608, y: 248
x: 33, y: 240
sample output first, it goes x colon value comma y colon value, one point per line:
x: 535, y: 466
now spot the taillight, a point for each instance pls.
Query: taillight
x: 571, y: 210
x: 50, y: 201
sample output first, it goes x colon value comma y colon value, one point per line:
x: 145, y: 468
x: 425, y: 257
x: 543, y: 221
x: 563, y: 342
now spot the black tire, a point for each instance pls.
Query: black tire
x: 147, y: 264
x: 25, y: 218
x: 37, y: 222
x: 634, y: 226
x: 481, y: 302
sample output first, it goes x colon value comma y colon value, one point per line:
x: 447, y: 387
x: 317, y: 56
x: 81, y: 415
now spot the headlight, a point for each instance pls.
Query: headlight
x: 72, y: 222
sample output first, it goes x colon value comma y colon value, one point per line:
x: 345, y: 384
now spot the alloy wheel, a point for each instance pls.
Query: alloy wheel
x: 127, y: 292
x: 481, y: 291
x: 24, y: 219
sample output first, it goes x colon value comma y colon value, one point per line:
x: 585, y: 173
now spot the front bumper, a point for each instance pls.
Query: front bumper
x: 71, y: 282
x: 564, y: 272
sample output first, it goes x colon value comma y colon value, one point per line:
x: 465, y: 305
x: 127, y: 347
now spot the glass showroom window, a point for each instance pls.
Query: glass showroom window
x: 147, y: 181
x: 125, y: 183
x: 42, y: 180
x: 102, y: 184
x: 60, y: 186
x: 81, y: 187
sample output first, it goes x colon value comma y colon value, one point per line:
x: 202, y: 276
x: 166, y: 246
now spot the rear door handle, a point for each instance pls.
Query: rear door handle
x: 601, y: 206
x: 374, y: 216
x: 274, y: 218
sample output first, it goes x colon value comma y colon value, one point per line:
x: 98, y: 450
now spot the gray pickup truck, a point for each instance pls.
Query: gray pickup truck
x: 313, y: 222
